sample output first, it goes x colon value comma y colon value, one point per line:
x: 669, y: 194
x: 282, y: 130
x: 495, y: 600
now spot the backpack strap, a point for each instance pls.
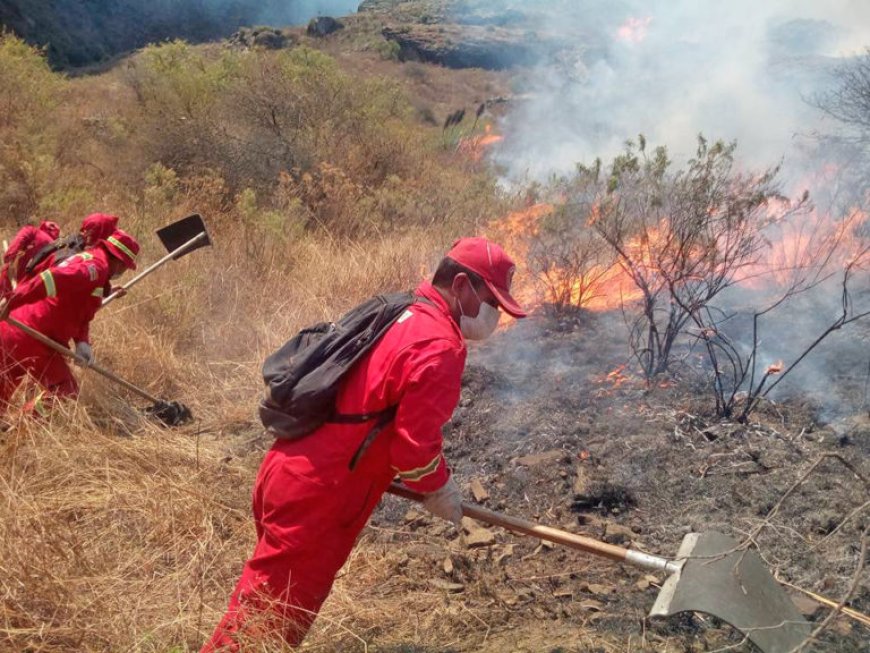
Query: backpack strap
x: 383, y: 417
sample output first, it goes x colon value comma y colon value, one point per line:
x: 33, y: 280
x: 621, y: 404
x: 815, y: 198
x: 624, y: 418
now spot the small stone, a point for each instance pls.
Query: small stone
x: 581, y: 482
x: 505, y: 552
x: 596, y: 588
x: 563, y: 593
x: 617, y: 534
x: 534, y: 459
x: 478, y: 491
x: 479, y: 538
x: 591, y: 606
x: 453, y: 588
x: 805, y: 605
x: 412, y: 515
x: 447, y: 566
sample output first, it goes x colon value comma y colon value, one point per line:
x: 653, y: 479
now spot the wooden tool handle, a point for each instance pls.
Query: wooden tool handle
x: 155, y: 266
x: 69, y: 353
x: 524, y: 527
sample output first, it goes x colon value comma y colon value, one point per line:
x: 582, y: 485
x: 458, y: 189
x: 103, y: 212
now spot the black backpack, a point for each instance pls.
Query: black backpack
x: 62, y: 248
x: 303, y: 377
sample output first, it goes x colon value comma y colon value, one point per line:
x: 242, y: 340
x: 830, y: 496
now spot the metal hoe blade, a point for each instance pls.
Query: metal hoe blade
x: 734, y: 586
x: 179, y: 233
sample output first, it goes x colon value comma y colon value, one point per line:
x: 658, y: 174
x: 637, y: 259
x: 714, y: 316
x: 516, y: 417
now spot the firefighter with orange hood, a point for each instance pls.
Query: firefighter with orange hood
x: 310, y: 505
x: 27, y: 243
x: 60, y: 303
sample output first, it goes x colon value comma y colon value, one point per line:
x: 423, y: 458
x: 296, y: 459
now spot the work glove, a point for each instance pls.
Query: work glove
x: 4, y: 309
x: 445, y: 502
x: 85, y: 354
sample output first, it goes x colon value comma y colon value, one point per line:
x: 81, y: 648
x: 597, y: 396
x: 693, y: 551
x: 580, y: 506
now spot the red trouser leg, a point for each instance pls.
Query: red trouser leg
x: 305, y: 532
x: 22, y: 356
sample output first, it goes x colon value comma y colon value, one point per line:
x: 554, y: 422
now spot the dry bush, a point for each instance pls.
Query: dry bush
x: 681, y: 237
x: 118, y: 536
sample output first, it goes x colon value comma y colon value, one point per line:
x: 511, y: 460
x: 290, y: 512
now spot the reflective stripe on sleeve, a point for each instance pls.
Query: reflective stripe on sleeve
x: 48, y: 281
x: 420, y: 472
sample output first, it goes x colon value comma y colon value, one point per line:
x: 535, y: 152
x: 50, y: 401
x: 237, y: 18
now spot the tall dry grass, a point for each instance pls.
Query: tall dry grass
x: 117, y: 535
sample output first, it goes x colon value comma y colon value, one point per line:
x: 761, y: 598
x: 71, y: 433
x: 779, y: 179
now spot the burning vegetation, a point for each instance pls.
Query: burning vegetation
x: 645, y: 398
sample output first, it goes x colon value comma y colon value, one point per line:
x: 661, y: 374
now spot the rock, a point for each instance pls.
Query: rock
x: 478, y: 491
x: 412, y: 515
x: 805, y: 605
x: 597, y: 588
x: 591, y: 606
x: 453, y: 588
x: 479, y: 538
x: 323, y: 26
x: 504, y: 552
x: 534, y: 459
x: 563, y: 593
x: 617, y: 534
x: 581, y: 482
x: 447, y: 566
x: 468, y: 46
x: 262, y: 37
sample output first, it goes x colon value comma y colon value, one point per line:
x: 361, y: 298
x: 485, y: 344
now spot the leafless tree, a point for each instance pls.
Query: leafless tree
x: 681, y: 237
x: 739, y: 381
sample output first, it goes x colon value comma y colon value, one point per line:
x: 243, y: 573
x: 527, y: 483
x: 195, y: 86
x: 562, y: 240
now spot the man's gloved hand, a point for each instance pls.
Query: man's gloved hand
x: 445, y: 502
x: 85, y: 354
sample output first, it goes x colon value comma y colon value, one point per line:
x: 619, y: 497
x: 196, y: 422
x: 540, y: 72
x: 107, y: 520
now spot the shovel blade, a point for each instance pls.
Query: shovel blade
x: 183, y: 231
x: 170, y: 413
x: 734, y: 587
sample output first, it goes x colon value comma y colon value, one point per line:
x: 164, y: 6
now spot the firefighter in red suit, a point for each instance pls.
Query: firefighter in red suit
x: 27, y: 242
x: 309, y: 507
x: 60, y: 303
x: 95, y: 227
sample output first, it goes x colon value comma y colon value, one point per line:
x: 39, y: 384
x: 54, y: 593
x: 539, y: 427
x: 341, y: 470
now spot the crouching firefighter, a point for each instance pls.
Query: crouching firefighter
x: 353, y: 405
x: 95, y: 227
x: 60, y: 303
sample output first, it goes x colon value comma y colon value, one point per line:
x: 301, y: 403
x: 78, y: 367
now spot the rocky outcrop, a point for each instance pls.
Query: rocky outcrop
x: 261, y: 37
x: 323, y: 26
x: 463, y: 46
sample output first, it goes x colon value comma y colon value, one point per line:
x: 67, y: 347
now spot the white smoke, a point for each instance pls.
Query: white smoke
x: 299, y: 12
x: 671, y: 69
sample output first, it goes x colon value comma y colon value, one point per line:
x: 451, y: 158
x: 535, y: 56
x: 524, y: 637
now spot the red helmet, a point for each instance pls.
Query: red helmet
x: 50, y: 228
x: 123, y: 247
x: 98, y: 226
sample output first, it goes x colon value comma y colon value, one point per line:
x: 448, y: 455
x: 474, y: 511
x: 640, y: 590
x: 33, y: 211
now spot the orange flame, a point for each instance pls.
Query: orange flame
x: 475, y: 147
x: 775, y: 368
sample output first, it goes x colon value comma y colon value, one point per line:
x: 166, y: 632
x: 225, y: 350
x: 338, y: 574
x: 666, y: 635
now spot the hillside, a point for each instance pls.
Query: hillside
x: 670, y: 290
x: 78, y: 33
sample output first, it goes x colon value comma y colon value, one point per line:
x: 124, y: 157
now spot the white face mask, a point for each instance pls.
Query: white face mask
x: 482, y: 326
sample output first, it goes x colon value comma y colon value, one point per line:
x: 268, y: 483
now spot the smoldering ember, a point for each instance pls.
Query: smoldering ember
x: 625, y: 406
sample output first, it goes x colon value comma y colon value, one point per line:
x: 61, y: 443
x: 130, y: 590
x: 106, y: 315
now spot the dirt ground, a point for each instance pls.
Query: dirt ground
x: 546, y: 434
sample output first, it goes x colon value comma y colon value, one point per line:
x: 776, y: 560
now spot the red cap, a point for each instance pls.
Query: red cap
x: 99, y: 226
x: 493, y: 265
x: 50, y: 228
x: 123, y: 247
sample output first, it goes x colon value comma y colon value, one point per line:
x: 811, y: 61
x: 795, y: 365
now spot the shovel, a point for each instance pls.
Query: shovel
x: 179, y: 238
x: 709, y: 574
x: 169, y: 413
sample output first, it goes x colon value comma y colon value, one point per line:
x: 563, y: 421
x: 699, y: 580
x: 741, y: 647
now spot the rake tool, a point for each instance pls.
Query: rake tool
x: 169, y: 413
x: 709, y: 574
x: 179, y: 238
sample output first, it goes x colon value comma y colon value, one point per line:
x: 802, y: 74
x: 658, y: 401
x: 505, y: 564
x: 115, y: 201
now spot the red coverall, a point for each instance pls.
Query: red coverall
x: 27, y: 242
x: 59, y: 303
x: 309, y: 507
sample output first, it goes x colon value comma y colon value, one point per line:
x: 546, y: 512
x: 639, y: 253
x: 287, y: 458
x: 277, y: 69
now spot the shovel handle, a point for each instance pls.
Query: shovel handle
x: 579, y: 542
x: 154, y: 266
x: 69, y: 353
